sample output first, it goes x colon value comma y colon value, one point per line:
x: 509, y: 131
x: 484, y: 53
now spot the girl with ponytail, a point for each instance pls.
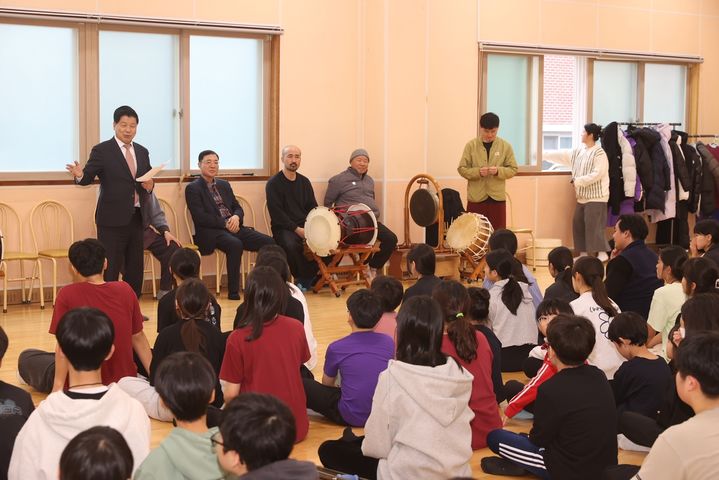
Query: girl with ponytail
x: 511, y: 310
x: 192, y: 333
x: 471, y: 349
x: 667, y: 300
x: 700, y: 275
x: 559, y: 263
x: 594, y: 304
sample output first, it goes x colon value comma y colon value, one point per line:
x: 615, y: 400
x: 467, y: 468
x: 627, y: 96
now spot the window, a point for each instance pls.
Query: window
x: 39, y: 97
x: 545, y: 99
x: 194, y: 87
x: 226, y: 100
x: 141, y: 70
x: 512, y: 94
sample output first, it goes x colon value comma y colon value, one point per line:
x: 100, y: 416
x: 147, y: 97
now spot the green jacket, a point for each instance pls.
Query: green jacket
x: 182, y: 455
x: 474, y: 157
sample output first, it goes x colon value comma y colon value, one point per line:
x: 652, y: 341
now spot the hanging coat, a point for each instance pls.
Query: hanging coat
x: 680, y: 165
x: 664, y: 154
x: 694, y: 168
x: 710, y: 180
x: 656, y: 194
x: 642, y: 159
x: 629, y: 166
x: 610, y: 145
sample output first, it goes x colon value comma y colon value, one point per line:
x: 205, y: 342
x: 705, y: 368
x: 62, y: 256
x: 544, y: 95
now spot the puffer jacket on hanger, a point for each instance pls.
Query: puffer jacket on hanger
x: 710, y: 180
x: 610, y: 144
x: 655, y: 196
x: 629, y: 165
x: 680, y: 166
x: 694, y: 168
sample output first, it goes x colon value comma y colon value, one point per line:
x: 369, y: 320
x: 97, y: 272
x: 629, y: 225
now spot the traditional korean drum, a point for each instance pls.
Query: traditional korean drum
x: 469, y: 234
x: 326, y: 229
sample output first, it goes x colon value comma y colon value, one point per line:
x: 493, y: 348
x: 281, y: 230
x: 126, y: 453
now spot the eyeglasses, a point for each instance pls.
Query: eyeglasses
x: 215, y: 441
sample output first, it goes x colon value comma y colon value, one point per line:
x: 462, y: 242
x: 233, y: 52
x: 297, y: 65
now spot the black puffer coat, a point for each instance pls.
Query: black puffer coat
x: 694, y: 167
x: 680, y: 166
x: 610, y: 144
x: 655, y: 196
x: 710, y: 180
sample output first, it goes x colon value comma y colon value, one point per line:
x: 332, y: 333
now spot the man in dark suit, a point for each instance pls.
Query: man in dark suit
x: 117, y: 163
x: 218, y: 220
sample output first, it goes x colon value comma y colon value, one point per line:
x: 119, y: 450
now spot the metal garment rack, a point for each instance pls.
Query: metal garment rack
x: 643, y: 124
x: 704, y: 135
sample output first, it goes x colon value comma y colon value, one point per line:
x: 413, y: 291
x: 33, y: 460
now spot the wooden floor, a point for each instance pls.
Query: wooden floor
x: 27, y: 327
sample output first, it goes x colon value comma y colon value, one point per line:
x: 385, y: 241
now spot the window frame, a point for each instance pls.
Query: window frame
x: 692, y: 65
x: 88, y: 28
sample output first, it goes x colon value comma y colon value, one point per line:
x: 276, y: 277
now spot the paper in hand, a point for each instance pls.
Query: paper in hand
x: 151, y: 174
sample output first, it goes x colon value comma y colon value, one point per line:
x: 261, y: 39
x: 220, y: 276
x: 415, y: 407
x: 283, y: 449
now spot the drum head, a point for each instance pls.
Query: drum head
x: 461, y: 233
x: 424, y: 207
x: 322, y: 231
x: 365, y: 222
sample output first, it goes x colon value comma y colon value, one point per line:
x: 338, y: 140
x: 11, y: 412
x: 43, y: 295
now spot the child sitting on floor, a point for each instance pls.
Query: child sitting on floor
x: 478, y: 314
x: 668, y: 299
x: 96, y: 453
x: 520, y: 396
x: 574, y: 431
x: 389, y: 290
x: 641, y: 381
x: 185, y: 382
x: 422, y: 261
x: 358, y: 358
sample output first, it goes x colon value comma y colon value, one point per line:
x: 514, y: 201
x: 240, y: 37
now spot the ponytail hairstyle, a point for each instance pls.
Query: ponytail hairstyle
x: 708, y: 226
x: 193, y: 301
x: 420, y: 329
x: 562, y: 261
x: 503, y: 263
x: 594, y: 130
x: 674, y: 257
x: 454, y: 301
x: 592, y: 271
x: 703, y: 273
x: 266, y: 297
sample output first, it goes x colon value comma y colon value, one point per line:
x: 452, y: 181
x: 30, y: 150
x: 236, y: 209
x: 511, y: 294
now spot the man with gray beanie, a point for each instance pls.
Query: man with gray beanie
x: 354, y: 186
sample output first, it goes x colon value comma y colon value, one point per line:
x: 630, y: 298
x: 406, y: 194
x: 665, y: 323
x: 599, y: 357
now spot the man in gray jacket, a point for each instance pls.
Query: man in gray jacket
x: 354, y: 186
x: 158, y: 239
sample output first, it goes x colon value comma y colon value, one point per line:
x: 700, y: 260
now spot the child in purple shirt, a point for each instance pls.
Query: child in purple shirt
x: 358, y: 358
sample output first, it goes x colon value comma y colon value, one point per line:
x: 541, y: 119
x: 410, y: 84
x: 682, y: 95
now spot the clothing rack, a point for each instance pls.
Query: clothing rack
x: 643, y: 124
x: 704, y: 135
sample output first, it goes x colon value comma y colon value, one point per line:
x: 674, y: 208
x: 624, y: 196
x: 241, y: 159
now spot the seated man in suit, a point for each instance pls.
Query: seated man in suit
x: 218, y: 220
x: 354, y: 186
x: 158, y: 239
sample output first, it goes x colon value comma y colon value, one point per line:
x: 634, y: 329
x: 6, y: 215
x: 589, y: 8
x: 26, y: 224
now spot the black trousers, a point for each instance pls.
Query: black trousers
x: 513, y: 387
x: 620, y: 472
x: 233, y: 245
x: 531, y: 366
x: 124, y: 250
x: 513, y: 357
x: 37, y: 369
x: 293, y: 245
x: 157, y: 245
x: 639, y: 429
x: 388, y: 243
x: 345, y: 455
x: 323, y: 399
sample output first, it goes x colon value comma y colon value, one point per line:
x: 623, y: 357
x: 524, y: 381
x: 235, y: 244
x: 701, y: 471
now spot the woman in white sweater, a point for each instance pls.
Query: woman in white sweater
x: 594, y: 304
x: 590, y: 176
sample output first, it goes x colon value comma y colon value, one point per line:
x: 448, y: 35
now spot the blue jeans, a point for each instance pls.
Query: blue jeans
x: 518, y: 449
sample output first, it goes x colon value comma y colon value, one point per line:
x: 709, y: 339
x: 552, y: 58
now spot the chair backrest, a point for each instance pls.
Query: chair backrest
x: 170, y: 216
x: 188, y: 223
x: 11, y: 228
x: 266, y: 214
x: 51, y: 226
x: 511, y: 210
x: 249, y: 220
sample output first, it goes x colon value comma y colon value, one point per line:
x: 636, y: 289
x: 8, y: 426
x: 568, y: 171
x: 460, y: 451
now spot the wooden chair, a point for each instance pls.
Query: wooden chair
x: 53, y: 231
x: 248, y: 258
x: 219, y: 256
x: 11, y: 225
x: 522, y: 230
x: 266, y: 215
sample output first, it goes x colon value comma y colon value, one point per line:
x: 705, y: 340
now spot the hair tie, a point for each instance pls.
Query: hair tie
x: 716, y: 284
x: 461, y: 315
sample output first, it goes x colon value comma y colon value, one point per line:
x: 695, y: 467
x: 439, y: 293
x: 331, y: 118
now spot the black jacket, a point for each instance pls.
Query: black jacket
x: 643, y: 162
x: 610, y: 144
x: 660, y: 167
x: 710, y: 179
x: 209, y: 224
x: 116, y: 200
x: 680, y: 167
x: 694, y: 168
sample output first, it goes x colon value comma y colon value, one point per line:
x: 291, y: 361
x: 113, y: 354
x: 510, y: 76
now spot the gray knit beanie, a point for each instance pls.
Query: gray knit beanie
x: 360, y: 152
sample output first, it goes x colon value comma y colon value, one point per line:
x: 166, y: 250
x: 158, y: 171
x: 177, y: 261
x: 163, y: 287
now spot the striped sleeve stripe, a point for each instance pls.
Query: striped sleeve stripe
x: 521, y: 457
x: 531, y: 383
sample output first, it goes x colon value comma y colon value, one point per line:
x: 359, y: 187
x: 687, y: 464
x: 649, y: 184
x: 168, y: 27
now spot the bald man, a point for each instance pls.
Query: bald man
x: 290, y: 198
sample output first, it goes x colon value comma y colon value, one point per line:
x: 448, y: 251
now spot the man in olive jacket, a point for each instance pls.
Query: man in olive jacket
x: 487, y: 162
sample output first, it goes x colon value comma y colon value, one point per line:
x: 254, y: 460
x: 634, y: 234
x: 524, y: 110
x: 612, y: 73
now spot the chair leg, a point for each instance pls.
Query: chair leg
x: 40, y: 284
x: 54, y: 280
x: 199, y: 274
x: 219, y: 268
x: 4, y: 289
x: 23, y: 295
x: 534, y: 252
x: 151, y: 259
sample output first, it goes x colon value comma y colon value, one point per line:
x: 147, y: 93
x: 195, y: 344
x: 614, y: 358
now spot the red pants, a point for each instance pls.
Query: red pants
x: 495, y: 211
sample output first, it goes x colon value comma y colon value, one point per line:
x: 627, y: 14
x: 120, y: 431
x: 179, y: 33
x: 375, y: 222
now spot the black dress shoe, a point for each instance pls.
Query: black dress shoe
x: 233, y: 296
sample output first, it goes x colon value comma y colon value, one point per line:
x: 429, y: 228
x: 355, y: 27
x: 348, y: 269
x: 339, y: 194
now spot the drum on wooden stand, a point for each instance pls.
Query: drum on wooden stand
x: 327, y: 229
x: 469, y: 235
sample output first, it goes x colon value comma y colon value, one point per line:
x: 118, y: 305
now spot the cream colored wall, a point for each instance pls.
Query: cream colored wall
x: 400, y: 78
